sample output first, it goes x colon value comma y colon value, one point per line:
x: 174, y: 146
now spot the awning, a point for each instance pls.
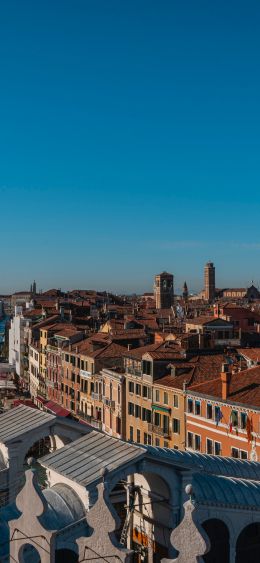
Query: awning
x: 26, y: 402
x: 163, y: 409
x: 40, y: 400
x: 56, y: 409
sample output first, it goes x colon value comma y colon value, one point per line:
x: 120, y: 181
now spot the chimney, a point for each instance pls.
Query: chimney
x: 173, y: 371
x: 225, y: 381
x: 62, y: 313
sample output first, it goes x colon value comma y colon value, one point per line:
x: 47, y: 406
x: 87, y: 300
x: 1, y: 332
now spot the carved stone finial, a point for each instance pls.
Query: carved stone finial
x: 189, y: 538
x: 103, y: 523
x: 30, y: 496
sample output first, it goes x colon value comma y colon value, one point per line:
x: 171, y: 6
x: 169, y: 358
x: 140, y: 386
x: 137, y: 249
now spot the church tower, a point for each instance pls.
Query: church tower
x: 185, y: 292
x: 163, y: 290
x: 209, y: 282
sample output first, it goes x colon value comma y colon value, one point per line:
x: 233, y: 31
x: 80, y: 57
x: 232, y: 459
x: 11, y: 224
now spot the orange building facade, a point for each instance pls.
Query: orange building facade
x: 220, y: 426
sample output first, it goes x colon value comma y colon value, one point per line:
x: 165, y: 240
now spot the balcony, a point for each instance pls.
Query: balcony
x: 96, y: 423
x: 158, y: 430
x: 134, y: 371
x: 92, y: 421
x: 51, y: 348
x: 108, y: 403
x: 84, y: 373
x: 96, y: 396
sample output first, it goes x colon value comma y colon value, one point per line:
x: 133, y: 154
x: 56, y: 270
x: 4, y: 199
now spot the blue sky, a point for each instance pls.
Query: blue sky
x: 129, y: 142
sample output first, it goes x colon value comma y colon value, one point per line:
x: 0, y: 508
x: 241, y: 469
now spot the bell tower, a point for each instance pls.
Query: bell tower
x: 163, y: 290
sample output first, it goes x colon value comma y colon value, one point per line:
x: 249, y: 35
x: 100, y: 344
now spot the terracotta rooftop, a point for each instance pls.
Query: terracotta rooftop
x: 199, y: 370
x: 251, y: 353
x: 244, y: 387
x: 203, y: 319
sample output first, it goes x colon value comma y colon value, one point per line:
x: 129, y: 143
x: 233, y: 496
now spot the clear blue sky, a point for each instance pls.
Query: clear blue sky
x: 129, y: 142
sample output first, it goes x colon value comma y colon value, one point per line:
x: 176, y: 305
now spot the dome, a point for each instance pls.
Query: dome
x: 64, y: 507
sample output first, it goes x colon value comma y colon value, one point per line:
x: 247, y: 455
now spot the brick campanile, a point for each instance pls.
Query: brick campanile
x: 209, y: 281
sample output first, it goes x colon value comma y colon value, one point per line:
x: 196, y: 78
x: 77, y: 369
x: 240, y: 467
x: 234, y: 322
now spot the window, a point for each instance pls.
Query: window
x: 147, y: 439
x: 131, y: 433
x: 131, y: 408
x: 157, y: 395
x: 147, y: 369
x: 197, y: 408
x: 149, y: 392
x: 157, y: 419
x: 217, y: 447
x: 145, y: 391
x: 165, y: 398
x: 243, y: 454
x: 190, y: 405
x: 190, y: 440
x: 157, y: 442
x: 138, y: 389
x: 209, y: 446
x: 209, y: 411
x: 176, y: 401
x: 197, y: 443
x: 165, y: 444
x: 138, y: 436
x: 217, y: 414
x: 165, y: 424
x: 118, y: 425
x: 235, y: 453
x: 243, y: 420
x: 176, y: 426
x: 67, y: 358
x: 148, y: 415
x: 131, y: 387
x: 137, y: 411
x: 234, y: 418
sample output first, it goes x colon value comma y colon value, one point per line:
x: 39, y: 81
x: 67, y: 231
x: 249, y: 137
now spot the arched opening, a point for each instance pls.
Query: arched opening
x: 248, y: 544
x: 142, y: 503
x: 39, y: 449
x: 66, y: 555
x: 29, y: 554
x: 218, y: 534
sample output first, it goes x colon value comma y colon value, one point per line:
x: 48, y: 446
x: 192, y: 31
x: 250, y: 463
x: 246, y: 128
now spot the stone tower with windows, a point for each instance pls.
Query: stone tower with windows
x: 209, y: 282
x: 163, y: 290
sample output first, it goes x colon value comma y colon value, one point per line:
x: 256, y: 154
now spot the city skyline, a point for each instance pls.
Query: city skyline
x: 129, y: 143
x: 178, y: 285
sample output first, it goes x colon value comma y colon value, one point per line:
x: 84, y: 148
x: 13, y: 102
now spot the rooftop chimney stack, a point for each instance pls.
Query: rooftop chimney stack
x: 225, y: 381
